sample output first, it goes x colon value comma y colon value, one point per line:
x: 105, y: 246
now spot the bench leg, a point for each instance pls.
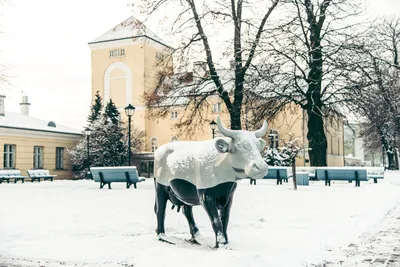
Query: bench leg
x: 109, y: 185
x: 128, y: 184
x: 375, y: 180
x: 350, y: 181
x: 134, y: 185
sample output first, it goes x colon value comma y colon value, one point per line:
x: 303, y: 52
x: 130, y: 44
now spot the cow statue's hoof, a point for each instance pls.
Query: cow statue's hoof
x: 221, y: 240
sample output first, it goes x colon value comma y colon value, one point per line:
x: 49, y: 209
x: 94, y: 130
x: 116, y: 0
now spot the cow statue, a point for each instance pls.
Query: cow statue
x: 190, y: 173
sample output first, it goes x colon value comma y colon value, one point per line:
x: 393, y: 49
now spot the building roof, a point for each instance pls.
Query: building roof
x: 129, y: 28
x: 20, y: 121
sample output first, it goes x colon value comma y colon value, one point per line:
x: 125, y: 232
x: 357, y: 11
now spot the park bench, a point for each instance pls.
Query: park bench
x: 40, y: 174
x: 278, y: 173
x: 108, y: 175
x: 375, y: 173
x: 350, y: 174
x: 309, y: 170
x: 7, y: 175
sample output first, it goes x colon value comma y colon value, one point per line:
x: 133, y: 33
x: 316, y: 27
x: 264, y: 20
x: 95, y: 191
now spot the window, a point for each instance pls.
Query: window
x: 117, y: 52
x: 273, y: 137
x: 59, y: 158
x: 153, y: 144
x: 9, y: 157
x: 217, y: 108
x: 38, y: 157
x: 174, y: 115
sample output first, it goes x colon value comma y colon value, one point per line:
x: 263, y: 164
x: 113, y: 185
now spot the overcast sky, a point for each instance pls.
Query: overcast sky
x: 44, y: 47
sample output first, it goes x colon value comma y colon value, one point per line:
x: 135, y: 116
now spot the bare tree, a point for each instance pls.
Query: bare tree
x: 224, y: 31
x: 309, y: 64
x: 378, y: 99
x: 4, y: 79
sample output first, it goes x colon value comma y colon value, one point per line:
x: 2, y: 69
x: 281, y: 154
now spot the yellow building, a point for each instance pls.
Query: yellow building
x: 28, y: 143
x: 124, y: 68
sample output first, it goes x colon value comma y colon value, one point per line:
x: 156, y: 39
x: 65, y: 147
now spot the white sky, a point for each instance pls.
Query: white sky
x: 44, y: 47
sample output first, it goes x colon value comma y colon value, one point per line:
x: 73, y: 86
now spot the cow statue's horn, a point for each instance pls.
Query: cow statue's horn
x: 223, y: 130
x: 260, y: 133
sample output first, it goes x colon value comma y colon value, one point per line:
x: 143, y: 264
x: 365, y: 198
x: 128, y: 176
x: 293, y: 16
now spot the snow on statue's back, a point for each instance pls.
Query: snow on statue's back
x: 194, y: 172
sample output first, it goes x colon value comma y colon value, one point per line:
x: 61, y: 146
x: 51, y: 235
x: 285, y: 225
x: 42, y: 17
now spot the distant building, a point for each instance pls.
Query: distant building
x: 28, y: 143
x: 123, y: 69
x: 355, y: 152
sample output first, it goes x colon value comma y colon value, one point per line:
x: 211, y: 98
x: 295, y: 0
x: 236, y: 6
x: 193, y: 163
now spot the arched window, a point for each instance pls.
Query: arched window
x: 153, y: 144
x: 174, y: 138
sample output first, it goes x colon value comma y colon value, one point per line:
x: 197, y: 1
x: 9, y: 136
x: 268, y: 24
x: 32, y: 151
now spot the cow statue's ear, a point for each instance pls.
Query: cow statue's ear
x: 222, y: 146
x: 263, y: 143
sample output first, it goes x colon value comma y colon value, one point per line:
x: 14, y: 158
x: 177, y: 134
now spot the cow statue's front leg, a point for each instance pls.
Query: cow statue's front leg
x: 209, y: 203
x: 225, y: 212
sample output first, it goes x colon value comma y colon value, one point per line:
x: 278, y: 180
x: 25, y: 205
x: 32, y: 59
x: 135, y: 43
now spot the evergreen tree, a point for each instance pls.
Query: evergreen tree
x: 95, y: 110
x: 108, y: 146
x: 111, y: 113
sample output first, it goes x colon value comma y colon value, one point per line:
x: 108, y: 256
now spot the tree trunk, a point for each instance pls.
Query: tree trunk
x: 316, y: 139
x: 390, y: 156
x: 236, y: 123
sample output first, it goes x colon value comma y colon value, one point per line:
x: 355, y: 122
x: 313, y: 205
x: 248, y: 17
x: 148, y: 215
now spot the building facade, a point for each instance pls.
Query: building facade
x: 123, y: 69
x: 29, y: 143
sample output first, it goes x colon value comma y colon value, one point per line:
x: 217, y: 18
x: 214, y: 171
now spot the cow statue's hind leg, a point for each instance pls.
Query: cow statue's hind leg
x: 188, y: 212
x: 210, y: 205
x: 160, y: 207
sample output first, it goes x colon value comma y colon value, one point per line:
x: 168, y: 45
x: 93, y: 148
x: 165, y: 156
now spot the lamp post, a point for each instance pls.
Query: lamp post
x: 129, y: 111
x: 213, y: 124
x: 88, y: 132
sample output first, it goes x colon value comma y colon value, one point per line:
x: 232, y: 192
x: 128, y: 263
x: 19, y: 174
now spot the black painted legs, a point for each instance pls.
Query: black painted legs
x: 188, y: 212
x: 225, y: 211
x: 209, y: 203
x: 160, y: 206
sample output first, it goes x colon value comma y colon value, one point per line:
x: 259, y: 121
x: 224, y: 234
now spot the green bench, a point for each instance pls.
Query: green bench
x: 108, y: 175
x: 375, y: 173
x: 40, y: 174
x: 278, y: 173
x: 7, y: 175
x: 350, y: 174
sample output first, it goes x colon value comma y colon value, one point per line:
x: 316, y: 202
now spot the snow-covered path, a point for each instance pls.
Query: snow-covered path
x: 73, y: 223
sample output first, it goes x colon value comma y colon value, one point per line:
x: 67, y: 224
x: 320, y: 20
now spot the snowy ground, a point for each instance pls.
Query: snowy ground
x: 74, y: 223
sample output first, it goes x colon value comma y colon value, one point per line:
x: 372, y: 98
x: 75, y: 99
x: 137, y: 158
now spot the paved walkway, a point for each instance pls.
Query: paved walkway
x: 378, y: 249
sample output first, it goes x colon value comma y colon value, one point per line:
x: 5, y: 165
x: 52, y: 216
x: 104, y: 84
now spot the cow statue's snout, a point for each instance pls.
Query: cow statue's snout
x: 256, y: 169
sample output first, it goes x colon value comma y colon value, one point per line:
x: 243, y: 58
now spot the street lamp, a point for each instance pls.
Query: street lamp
x: 213, y: 124
x: 129, y: 111
x: 88, y: 132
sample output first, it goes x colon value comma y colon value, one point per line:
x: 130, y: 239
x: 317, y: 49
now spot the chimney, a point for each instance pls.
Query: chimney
x: 200, y: 68
x: 2, y: 107
x: 24, y: 105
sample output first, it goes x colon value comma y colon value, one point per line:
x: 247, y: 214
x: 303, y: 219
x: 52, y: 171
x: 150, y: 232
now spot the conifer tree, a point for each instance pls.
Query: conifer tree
x: 111, y: 113
x: 95, y: 110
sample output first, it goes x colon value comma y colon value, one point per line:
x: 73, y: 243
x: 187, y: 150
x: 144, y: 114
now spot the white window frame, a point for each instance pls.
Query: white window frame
x: 59, y: 158
x: 9, y: 156
x: 153, y: 142
x: 174, y: 115
x: 120, y: 52
x: 38, y: 157
x: 217, y: 108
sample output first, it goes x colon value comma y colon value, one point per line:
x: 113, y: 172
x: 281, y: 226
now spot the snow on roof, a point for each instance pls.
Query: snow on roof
x: 17, y: 120
x: 129, y: 28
